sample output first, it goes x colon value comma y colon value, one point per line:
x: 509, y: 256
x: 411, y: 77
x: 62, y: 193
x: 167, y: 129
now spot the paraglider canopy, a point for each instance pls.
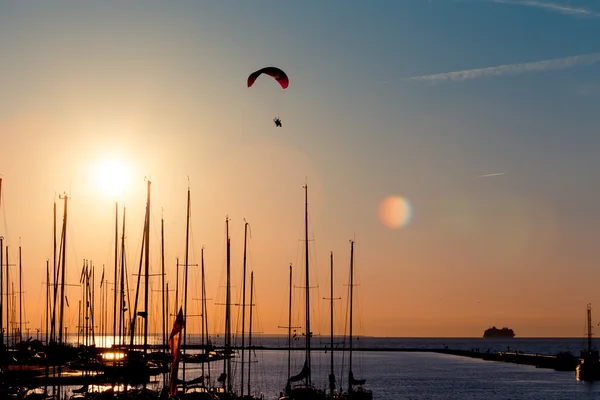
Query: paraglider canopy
x: 275, y: 72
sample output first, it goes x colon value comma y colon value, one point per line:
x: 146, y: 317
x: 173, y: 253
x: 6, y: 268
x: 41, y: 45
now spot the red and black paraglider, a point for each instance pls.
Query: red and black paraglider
x: 281, y: 78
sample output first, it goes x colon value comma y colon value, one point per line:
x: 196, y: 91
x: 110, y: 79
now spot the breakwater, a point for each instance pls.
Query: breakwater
x: 559, y: 362
x: 563, y: 361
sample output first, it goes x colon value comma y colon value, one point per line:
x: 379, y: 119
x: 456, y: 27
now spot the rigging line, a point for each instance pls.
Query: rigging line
x: 70, y: 235
x: 315, y: 276
x: 191, y: 230
x: 154, y: 225
x: 110, y: 249
x: 192, y: 246
x: 6, y: 232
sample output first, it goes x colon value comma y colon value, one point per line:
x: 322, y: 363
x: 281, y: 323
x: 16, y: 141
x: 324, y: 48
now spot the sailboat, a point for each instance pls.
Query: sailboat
x: 304, y: 390
x: 225, y: 392
x: 248, y: 395
x: 589, y: 368
x: 137, y: 367
x: 355, y: 388
x: 197, y: 388
x: 332, y: 392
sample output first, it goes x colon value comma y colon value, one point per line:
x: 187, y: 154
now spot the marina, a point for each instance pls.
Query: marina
x: 142, y: 363
x: 316, y: 200
x: 388, y: 349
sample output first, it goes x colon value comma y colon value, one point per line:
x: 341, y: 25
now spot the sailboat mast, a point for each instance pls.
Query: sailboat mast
x: 307, y: 290
x: 143, y: 314
x: 87, y: 302
x: 8, y: 309
x: 91, y: 284
x: 86, y: 291
x: 20, y: 297
x: 1, y: 287
x: 54, y: 279
x: 203, y: 308
x: 176, y: 286
x: 122, y: 285
x: 115, y: 277
x: 79, y: 330
x: 47, y: 366
x: 331, y: 374
x: 62, y: 283
x: 250, y: 329
x: 331, y: 317
x: 93, y: 300
x: 146, y: 274
x: 227, y: 364
x: 165, y: 308
x: 55, y: 294
x: 204, y: 316
x: 244, y: 308
x: 104, y: 293
x: 2, y: 291
x: 185, y: 282
x: 290, y: 327
x: 90, y: 300
x: 88, y: 287
x: 103, y: 308
x: 589, y: 326
x: 350, y: 325
x: 13, y: 311
x: 47, y: 294
x: 62, y: 279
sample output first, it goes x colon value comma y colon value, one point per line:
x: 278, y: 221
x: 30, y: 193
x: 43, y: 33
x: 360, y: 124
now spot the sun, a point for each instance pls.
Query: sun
x: 112, y: 177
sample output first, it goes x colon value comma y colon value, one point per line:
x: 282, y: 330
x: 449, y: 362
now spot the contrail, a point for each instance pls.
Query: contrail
x: 511, y: 69
x: 560, y: 8
x: 489, y: 175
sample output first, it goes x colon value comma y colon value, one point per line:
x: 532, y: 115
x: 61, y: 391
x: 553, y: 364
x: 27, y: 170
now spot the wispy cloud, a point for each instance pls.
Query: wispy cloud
x: 554, y: 7
x: 511, y: 69
x: 490, y: 175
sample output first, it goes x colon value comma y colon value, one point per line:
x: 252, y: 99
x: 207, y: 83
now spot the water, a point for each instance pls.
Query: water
x: 420, y: 376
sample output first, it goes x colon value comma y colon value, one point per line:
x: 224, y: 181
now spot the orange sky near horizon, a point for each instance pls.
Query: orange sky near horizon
x: 421, y: 299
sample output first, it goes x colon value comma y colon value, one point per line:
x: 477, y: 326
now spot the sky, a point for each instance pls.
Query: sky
x: 455, y: 141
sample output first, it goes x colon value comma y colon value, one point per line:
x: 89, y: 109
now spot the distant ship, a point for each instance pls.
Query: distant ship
x: 494, y: 332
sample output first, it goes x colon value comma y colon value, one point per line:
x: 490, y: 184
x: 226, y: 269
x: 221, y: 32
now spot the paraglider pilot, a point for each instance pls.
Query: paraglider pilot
x: 276, y: 73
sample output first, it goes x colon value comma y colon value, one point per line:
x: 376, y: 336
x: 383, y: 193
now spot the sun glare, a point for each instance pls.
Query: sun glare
x: 112, y: 177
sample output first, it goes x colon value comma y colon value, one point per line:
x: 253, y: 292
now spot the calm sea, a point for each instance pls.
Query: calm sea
x: 419, y: 376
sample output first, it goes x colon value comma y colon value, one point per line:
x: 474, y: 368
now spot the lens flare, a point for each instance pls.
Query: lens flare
x: 395, y: 212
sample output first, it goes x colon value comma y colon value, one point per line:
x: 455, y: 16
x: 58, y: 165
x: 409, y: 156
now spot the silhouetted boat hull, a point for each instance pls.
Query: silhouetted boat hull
x: 589, y: 367
x: 303, y: 393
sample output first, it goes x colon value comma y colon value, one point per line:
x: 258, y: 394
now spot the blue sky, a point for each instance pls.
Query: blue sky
x: 410, y: 98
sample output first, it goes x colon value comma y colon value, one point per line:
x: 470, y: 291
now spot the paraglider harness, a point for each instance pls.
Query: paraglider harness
x: 277, y: 122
